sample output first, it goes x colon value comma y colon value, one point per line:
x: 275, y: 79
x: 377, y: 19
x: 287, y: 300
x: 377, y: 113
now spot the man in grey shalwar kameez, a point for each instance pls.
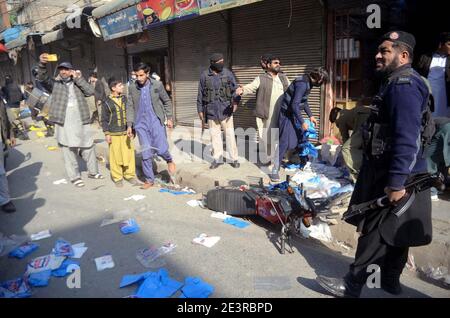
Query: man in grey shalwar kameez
x: 70, y: 113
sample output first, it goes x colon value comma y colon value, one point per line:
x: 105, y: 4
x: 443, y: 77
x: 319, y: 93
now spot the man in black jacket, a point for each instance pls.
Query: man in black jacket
x: 13, y: 96
x: 7, y: 140
x: 436, y: 67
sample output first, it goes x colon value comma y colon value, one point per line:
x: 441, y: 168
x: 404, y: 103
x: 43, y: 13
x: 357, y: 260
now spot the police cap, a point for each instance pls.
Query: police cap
x: 400, y: 37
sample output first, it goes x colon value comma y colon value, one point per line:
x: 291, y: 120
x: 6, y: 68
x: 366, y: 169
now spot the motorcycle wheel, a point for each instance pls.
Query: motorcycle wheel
x: 232, y: 201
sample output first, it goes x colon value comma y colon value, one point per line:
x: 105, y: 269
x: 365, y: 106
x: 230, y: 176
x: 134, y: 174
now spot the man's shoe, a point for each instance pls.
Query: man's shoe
x: 147, y: 185
x: 339, y: 287
x: 133, y: 181
x: 392, y: 286
x: 8, y: 207
x: 119, y: 184
x: 214, y: 165
x: 235, y: 164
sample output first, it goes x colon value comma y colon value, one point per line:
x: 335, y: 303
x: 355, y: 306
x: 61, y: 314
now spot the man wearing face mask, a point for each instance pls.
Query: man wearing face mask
x: 269, y: 88
x: 393, y: 138
x: 291, y: 123
x: 70, y: 113
x: 216, y: 105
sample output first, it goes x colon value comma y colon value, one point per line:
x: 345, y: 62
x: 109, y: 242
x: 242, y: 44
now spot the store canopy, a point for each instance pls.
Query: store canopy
x: 52, y: 36
x: 12, y: 33
x: 3, y: 48
x: 113, y: 6
x: 20, y: 41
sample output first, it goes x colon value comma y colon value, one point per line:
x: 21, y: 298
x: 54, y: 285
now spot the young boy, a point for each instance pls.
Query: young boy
x: 114, y: 124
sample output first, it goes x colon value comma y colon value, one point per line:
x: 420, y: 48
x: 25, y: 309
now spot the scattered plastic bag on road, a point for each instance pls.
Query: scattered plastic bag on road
x: 63, y: 248
x: 60, y: 181
x: 16, y: 288
x: 149, y: 257
x: 194, y: 287
x: 236, y: 222
x: 7, y: 244
x: 129, y: 226
x: 320, y: 231
x: 205, y: 240
x: 104, y: 262
x: 41, y: 235
x: 44, y: 263
x: 23, y: 250
x: 135, y: 197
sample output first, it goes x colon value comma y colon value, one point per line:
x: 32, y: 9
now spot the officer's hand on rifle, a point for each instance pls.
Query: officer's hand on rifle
x: 393, y: 195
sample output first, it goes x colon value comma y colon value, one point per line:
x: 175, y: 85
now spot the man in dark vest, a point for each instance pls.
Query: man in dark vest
x: 393, y: 156
x: 269, y: 88
x: 216, y: 105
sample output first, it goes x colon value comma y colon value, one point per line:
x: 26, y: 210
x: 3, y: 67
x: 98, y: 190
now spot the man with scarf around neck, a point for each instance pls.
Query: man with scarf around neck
x: 70, y: 113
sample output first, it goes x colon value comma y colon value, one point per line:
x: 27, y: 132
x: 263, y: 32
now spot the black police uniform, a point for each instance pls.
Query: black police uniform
x: 393, y: 156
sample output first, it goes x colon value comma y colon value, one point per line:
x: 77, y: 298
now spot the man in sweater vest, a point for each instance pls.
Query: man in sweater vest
x: 269, y: 88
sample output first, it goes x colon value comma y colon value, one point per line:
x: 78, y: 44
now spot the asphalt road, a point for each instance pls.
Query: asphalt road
x: 234, y: 266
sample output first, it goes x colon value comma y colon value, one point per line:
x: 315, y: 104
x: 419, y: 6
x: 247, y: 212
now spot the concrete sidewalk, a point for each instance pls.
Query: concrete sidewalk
x: 195, y: 173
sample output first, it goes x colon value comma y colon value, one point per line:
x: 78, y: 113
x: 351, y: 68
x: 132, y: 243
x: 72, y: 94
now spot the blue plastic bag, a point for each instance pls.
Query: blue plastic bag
x: 194, y: 287
x: 129, y: 226
x: 174, y: 192
x: 307, y: 149
x: 40, y: 279
x: 154, y: 284
x: 16, y: 288
x: 236, y: 222
x: 62, y: 270
x: 63, y: 248
x: 23, y: 250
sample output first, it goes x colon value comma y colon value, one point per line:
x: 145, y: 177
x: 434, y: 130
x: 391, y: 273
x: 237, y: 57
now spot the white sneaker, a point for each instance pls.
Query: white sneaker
x: 434, y: 197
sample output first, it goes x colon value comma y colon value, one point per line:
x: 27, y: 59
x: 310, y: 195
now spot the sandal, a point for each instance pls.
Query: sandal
x: 78, y: 183
x: 96, y: 176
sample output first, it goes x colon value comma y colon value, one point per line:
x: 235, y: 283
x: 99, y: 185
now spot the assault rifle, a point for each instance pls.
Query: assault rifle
x: 421, y: 183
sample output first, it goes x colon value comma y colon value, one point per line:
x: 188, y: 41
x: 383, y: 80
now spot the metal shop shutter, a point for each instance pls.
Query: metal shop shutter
x: 194, y: 41
x: 266, y: 27
x: 159, y: 39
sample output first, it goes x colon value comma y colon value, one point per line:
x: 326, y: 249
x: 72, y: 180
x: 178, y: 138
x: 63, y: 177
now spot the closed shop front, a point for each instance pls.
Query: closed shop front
x: 193, y: 43
x: 294, y: 34
x: 154, y: 51
x: 110, y: 60
x: 296, y: 37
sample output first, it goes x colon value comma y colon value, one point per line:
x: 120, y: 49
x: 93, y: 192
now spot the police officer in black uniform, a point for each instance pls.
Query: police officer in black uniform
x: 393, y: 156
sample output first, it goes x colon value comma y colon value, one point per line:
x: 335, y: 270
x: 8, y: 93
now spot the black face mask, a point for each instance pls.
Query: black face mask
x: 218, y: 67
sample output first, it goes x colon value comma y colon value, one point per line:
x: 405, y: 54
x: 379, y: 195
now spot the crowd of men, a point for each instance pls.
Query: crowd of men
x: 403, y: 134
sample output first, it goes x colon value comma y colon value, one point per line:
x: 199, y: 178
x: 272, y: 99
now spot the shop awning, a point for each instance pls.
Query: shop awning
x: 3, y: 48
x: 112, y: 7
x: 52, y: 36
x: 20, y: 41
